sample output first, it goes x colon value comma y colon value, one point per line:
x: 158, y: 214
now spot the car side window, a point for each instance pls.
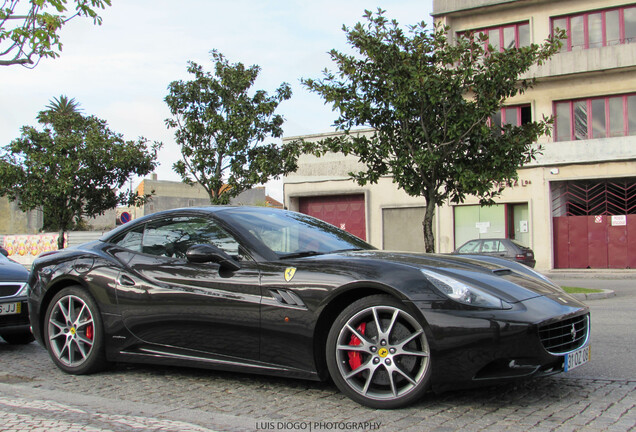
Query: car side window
x: 501, y: 247
x: 489, y: 246
x: 172, y: 237
x: 131, y: 240
x: 470, y: 247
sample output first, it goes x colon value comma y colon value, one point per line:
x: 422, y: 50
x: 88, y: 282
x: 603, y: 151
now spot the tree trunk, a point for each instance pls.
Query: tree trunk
x: 427, y: 227
x: 214, y: 196
x: 60, y: 238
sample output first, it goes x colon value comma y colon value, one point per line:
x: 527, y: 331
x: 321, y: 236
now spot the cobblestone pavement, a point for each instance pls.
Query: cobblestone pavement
x: 35, y: 395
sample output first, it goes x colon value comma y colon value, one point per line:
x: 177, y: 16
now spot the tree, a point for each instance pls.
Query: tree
x: 28, y: 31
x: 63, y: 106
x: 221, y: 127
x: 73, y: 167
x: 429, y: 101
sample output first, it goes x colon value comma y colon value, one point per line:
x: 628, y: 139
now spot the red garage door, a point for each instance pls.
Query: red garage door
x: 594, y: 223
x: 344, y: 211
x: 594, y: 242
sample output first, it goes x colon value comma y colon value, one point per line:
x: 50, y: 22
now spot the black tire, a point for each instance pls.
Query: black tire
x: 73, y: 332
x: 21, y: 338
x: 393, y: 364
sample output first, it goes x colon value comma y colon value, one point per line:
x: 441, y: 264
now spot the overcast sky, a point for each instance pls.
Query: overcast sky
x: 120, y: 71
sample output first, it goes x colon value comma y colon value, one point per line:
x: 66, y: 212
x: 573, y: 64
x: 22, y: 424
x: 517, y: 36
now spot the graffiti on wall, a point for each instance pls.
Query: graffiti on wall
x: 34, y: 245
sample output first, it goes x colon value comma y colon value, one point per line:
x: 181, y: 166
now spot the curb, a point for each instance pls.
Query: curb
x: 594, y: 296
x: 589, y: 274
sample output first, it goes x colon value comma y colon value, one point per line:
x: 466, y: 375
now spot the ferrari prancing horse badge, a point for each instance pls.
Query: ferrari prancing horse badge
x: 289, y: 273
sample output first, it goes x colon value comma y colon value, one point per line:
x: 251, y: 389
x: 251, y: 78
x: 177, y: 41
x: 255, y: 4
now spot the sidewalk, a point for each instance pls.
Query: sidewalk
x: 608, y: 280
x: 589, y: 273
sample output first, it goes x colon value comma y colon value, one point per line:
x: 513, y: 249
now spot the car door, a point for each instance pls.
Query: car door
x: 503, y: 251
x: 166, y: 300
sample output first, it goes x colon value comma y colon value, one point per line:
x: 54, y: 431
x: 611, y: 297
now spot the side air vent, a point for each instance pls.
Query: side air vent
x: 287, y: 298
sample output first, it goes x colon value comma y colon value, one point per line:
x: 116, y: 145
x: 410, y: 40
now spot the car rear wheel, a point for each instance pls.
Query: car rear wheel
x: 73, y: 332
x: 378, y: 354
x: 21, y: 338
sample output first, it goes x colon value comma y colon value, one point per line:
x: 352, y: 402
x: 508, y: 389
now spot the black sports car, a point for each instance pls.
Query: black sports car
x: 14, y: 316
x: 277, y: 292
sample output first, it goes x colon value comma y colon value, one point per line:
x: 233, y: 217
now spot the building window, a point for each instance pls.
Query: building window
x: 504, y: 37
x: 512, y: 115
x: 599, y: 117
x: 597, y: 28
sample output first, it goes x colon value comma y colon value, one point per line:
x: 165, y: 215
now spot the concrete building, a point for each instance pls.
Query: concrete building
x: 576, y: 204
x: 13, y: 220
x: 168, y: 194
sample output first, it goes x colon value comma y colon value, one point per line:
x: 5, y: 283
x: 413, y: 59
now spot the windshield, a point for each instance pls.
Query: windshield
x: 294, y: 234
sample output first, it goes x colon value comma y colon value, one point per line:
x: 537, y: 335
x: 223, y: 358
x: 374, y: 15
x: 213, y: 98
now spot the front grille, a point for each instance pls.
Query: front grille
x: 10, y: 289
x: 565, y: 336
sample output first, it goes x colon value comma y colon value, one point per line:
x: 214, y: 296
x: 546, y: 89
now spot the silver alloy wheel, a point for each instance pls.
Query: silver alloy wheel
x: 71, y: 330
x: 393, y: 353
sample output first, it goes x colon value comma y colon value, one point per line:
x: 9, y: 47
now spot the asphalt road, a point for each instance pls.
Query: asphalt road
x: 598, y: 396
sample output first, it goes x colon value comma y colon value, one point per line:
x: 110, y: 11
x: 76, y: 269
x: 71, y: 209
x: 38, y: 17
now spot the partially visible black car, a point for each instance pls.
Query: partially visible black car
x: 498, y: 247
x: 14, y: 314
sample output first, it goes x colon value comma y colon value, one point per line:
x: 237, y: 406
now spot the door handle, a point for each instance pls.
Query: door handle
x: 125, y: 280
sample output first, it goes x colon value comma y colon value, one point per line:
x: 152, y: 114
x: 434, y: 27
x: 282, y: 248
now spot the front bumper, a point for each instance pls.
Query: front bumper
x: 486, y: 346
x: 15, y: 323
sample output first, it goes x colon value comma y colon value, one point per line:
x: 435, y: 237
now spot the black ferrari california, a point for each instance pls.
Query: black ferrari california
x: 276, y: 292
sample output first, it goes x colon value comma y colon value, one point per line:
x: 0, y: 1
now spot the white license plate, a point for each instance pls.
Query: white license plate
x: 10, y: 308
x: 577, y: 358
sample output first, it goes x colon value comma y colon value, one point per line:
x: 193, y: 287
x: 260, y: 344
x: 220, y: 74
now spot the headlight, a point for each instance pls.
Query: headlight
x: 23, y: 290
x: 464, y: 293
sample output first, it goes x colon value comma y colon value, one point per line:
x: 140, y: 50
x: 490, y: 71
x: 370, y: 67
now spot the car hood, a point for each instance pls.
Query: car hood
x: 509, y: 281
x: 12, y: 272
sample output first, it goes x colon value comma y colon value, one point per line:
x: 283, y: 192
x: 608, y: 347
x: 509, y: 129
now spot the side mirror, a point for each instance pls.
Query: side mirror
x: 203, y: 253
x: 4, y: 252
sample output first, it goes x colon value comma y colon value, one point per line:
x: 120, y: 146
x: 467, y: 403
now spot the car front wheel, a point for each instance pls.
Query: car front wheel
x: 378, y: 353
x: 73, y: 332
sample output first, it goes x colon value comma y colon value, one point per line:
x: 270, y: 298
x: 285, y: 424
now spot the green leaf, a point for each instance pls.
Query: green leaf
x: 34, y: 32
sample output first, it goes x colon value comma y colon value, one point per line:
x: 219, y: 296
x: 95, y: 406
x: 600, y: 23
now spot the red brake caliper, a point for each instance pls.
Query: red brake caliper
x: 355, y: 358
x: 89, y: 332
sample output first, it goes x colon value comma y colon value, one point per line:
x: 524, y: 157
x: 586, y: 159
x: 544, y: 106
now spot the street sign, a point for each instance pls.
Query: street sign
x: 125, y: 217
